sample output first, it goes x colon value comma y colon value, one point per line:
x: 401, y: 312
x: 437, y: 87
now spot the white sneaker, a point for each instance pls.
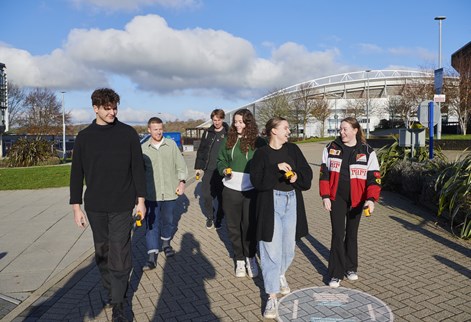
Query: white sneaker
x: 252, y: 268
x: 240, y: 269
x: 334, y: 282
x: 270, y: 309
x: 352, y: 275
x: 284, y: 287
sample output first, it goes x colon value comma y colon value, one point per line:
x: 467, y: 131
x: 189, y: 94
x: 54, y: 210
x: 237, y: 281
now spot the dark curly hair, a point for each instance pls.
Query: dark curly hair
x: 105, y: 97
x: 249, y: 135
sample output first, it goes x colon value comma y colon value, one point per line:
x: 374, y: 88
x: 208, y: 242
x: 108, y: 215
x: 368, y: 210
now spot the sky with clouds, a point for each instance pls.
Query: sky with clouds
x: 180, y: 59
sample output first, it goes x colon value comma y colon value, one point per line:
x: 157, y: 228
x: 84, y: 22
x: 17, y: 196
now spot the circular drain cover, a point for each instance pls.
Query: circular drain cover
x: 327, y: 304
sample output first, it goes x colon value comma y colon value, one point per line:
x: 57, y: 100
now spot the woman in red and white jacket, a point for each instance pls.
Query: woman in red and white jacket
x: 349, y: 181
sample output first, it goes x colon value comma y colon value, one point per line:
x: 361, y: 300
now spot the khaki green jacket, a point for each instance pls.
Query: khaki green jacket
x: 165, y: 168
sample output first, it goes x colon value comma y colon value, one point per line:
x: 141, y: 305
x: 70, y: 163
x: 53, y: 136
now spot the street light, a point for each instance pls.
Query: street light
x: 439, y: 18
x: 63, y: 128
x: 368, y: 103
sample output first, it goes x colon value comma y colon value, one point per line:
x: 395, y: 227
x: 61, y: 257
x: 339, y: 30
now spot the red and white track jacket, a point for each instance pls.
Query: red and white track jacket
x: 365, y: 178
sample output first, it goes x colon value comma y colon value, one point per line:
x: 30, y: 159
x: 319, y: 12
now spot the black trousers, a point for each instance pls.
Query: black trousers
x: 211, y: 188
x: 239, y: 209
x: 344, y: 245
x: 112, y: 239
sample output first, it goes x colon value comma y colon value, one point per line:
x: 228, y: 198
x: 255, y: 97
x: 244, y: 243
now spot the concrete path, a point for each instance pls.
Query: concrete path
x: 416, y: 268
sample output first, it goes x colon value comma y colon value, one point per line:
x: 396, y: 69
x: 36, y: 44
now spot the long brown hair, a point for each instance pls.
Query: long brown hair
x: 356, y: 125
x: 249, y: 135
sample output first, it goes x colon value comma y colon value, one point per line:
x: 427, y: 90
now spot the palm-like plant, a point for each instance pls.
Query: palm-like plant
x: 454, y: 187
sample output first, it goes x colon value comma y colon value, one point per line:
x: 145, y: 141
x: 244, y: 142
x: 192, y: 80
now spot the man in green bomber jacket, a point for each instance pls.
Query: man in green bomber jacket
x: 166, y: 174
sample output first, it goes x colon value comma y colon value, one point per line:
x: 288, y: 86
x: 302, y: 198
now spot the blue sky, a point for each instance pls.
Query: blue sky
x: 183, y: 58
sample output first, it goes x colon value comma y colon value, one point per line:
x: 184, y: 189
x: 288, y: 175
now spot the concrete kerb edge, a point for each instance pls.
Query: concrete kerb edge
x: 47, y: 285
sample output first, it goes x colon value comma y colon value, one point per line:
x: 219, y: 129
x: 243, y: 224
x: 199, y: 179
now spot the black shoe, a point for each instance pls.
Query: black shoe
x: 209, y: 223
x: 118, y: 313
x: 217, y: 223
x: 151, y: 262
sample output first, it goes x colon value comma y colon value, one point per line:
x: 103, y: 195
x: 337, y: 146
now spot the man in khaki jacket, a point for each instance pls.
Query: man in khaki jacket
x: 166, y: 173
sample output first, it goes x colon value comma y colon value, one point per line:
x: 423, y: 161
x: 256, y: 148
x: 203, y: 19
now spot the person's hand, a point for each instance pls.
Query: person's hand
x: 293, y: 178
x: 370, y: 204
x: 285, y: 167
x: 327, y: 204
x: 180, y: 189
x: 79, y: 217
x: 228, y: 172
x: 198, y: 173
x: 141, y: 207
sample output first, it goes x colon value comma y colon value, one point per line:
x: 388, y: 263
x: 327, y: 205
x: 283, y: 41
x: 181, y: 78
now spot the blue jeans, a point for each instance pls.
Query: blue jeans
x: 276, y: 256
x: 160, y: 223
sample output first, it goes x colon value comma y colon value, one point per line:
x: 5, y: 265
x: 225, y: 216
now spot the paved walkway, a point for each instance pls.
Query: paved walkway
x: 417, y: 269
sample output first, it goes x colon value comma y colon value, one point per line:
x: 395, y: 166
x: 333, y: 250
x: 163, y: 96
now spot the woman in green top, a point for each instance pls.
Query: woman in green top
x: 239, y: 195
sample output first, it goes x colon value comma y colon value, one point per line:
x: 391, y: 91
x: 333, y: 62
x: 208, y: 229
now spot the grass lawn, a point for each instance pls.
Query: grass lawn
x: 456, y: 137
x: 34, y: 177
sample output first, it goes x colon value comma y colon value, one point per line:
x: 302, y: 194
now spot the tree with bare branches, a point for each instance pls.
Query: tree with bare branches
x: 303, y: 105
x: 16, y: 99
x: 42, y: 113
x: 321, y: 111
x: 462, y: 63
x: 356, y: 107
x: 276, y: 104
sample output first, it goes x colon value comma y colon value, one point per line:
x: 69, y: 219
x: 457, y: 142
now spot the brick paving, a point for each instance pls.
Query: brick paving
x: 419, y: 270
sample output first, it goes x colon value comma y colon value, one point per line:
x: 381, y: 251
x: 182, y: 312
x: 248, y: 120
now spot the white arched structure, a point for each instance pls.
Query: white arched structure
x: 378, y: 85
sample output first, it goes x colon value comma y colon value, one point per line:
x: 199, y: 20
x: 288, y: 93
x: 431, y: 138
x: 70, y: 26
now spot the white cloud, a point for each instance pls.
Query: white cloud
x: 365, y: 48
x: 421, y: 53
x: 160, y: 60
x: 195, y: 115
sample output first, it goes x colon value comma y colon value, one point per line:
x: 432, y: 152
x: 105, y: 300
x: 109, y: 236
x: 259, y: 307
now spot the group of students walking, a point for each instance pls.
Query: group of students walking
x: 256, y: 182
x: 262, y: 198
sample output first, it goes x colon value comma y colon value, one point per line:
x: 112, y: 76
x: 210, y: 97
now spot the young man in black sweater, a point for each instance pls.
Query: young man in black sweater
x: 107, y: 154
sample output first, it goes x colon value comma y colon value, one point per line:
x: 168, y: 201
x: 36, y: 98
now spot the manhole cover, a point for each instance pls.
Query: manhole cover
x: 332, y: 304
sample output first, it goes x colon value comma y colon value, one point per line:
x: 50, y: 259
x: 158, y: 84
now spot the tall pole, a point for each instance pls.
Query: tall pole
x: 368, y: 103
x: 439, y: 124
x: 63, y: 128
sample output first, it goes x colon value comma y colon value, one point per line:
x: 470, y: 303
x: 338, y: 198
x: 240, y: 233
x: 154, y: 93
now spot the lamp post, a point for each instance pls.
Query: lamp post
x: 63, y: 128
x: 336, y: 117
x: 368, y: 103
x: 439, y: 125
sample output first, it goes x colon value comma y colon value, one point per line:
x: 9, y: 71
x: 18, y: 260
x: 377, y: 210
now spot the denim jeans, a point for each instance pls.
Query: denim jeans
x: 277, y: 255
x: 160, y: 223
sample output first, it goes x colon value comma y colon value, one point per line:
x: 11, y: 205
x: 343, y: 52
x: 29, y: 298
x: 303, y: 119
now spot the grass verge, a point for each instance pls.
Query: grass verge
x: 34, y: 177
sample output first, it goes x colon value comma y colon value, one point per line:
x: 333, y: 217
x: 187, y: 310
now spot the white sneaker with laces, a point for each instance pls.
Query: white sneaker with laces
x: 240, y: 269
x: 284, y: 287
x: 252, y: 268
x: 352, y: 275
x: 270, y: 309
x: 334, y: 282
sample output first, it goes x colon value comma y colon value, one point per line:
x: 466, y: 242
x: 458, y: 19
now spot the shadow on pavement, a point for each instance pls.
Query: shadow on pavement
x: 457, y: 267
x: 444, y: 241
x: 183, y: 296
x: 311, y: 256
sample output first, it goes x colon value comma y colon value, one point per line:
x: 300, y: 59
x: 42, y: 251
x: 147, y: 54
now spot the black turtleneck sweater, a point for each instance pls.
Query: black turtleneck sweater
x: 109, y: 158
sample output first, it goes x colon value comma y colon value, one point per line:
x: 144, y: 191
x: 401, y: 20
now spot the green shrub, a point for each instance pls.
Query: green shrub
x: 396, y: 162
x: 25, y: 153
x: 454, y: 188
